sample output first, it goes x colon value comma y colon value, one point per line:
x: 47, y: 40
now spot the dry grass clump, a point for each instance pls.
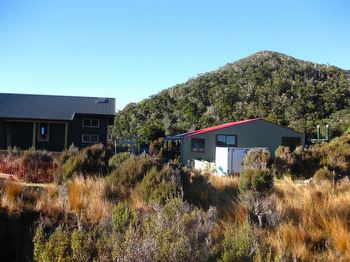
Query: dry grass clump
x: 315, y: 219
x: 11, y: 196
x: 223, y: 183
x: 49, y: 202
x: 86, y: 197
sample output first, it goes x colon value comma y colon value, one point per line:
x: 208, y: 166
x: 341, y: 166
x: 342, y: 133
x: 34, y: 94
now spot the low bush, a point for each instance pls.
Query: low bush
x: 130, y: 172
x: 334, y: 154
x: 38, y: 166
x: 158, y: 186
x: 240, y: 242
x: 323, y: 174
x: 180, y: 232
x: 156, y: 147
x: 256, y: 180
x: 254, y: 186
x: 121, y: 217
x: 92, y: 160
x: 118, y: 159
x: 285, y: 160
x: 257, y: 158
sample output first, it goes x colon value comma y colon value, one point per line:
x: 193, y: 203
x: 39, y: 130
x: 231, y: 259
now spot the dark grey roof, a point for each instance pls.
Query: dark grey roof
x: 50, y: 107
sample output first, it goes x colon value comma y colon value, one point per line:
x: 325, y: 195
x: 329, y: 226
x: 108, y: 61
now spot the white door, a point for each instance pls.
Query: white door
x: 237, y: 159
x: 221, y: 159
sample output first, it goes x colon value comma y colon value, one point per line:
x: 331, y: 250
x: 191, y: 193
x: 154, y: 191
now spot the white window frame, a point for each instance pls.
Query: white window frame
x: 48, y: 132
x: 90, y: 120
x: 90, y: 142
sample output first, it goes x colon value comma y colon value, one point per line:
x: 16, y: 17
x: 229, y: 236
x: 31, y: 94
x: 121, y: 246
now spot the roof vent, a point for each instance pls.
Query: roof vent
x: 102, y: 101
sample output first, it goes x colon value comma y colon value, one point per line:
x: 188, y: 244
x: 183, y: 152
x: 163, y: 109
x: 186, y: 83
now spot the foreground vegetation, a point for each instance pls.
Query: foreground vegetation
x: 141, y: 208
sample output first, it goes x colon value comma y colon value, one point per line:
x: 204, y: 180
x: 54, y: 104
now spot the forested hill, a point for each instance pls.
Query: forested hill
x: 267, y: 84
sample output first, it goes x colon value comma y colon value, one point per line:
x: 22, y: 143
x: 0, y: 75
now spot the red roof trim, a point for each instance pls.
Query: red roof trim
x: 214, y: 128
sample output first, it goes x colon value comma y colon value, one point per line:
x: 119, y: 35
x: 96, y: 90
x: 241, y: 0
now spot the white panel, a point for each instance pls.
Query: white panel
x: 221, y: 158
x: 237, y: 159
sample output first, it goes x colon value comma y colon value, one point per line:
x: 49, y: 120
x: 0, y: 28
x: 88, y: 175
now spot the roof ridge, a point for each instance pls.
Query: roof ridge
x: 23, y: 94
x: 218, y: 127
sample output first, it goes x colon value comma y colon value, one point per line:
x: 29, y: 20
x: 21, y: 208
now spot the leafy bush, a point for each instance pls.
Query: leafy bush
x: 55, y: 248
x: 334, y: 154
x: 323, y: 174
x: 240, y: 242
x: 180, y: 232
x: 257, y: 158
x: 285, y: 160
x: 256, y: 180
x: 156, y: 147
x: 116, y: 160
x: 62, y: 245
x: 121, y: 216
x: 254, y: 186
x: 158, y: 186
x: 129, y: 173
x: 69, y: 153
x: 38, y: 165
x: 92, y: 160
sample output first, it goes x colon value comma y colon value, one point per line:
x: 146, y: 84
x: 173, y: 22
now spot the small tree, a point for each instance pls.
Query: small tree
x: 256, y: 181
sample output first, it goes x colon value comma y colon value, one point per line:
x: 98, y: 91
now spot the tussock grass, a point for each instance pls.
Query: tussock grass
x: 11, y: 196
x: 86, y: 196
x: 315, y: 219
x: 49, y: 202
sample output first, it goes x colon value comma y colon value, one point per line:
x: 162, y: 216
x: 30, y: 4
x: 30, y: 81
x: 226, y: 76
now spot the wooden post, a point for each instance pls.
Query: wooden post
x: 34, y: 134
x: 65, y: 135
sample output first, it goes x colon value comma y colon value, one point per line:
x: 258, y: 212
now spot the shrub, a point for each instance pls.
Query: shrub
x: 239, y: 243
x: 257, y: 158
x: 62, y: 245
x: 129, y: 173
x: 121, y: 216
x: 285, y: 160
x: 72, y: 166
x: 180, y: 232
x: 38, y: 165
x: 255, y: 180
x: 158, y: 186
x: 92, y: 160
x: 118, y: 159
x: 254, y: 186
x: 323, y: 174
x: 156, y: 147
x: 55, y: 248
x: 69, y: 153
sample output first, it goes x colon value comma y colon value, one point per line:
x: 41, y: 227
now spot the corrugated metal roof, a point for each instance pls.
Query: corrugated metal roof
x: 50, y: 107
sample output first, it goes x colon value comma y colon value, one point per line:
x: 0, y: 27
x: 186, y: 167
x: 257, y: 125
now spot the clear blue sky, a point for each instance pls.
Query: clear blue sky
x: 133, y: 49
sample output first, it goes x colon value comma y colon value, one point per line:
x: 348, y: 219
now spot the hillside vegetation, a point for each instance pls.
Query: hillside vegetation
x: 275, y: 86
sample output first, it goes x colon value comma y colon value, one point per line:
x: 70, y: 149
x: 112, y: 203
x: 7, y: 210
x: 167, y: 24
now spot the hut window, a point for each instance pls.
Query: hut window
x: 95, y: 123
x: 291, y: 142
x: 197, y: 145
x: 90, y: 139
x: 226, y: 141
